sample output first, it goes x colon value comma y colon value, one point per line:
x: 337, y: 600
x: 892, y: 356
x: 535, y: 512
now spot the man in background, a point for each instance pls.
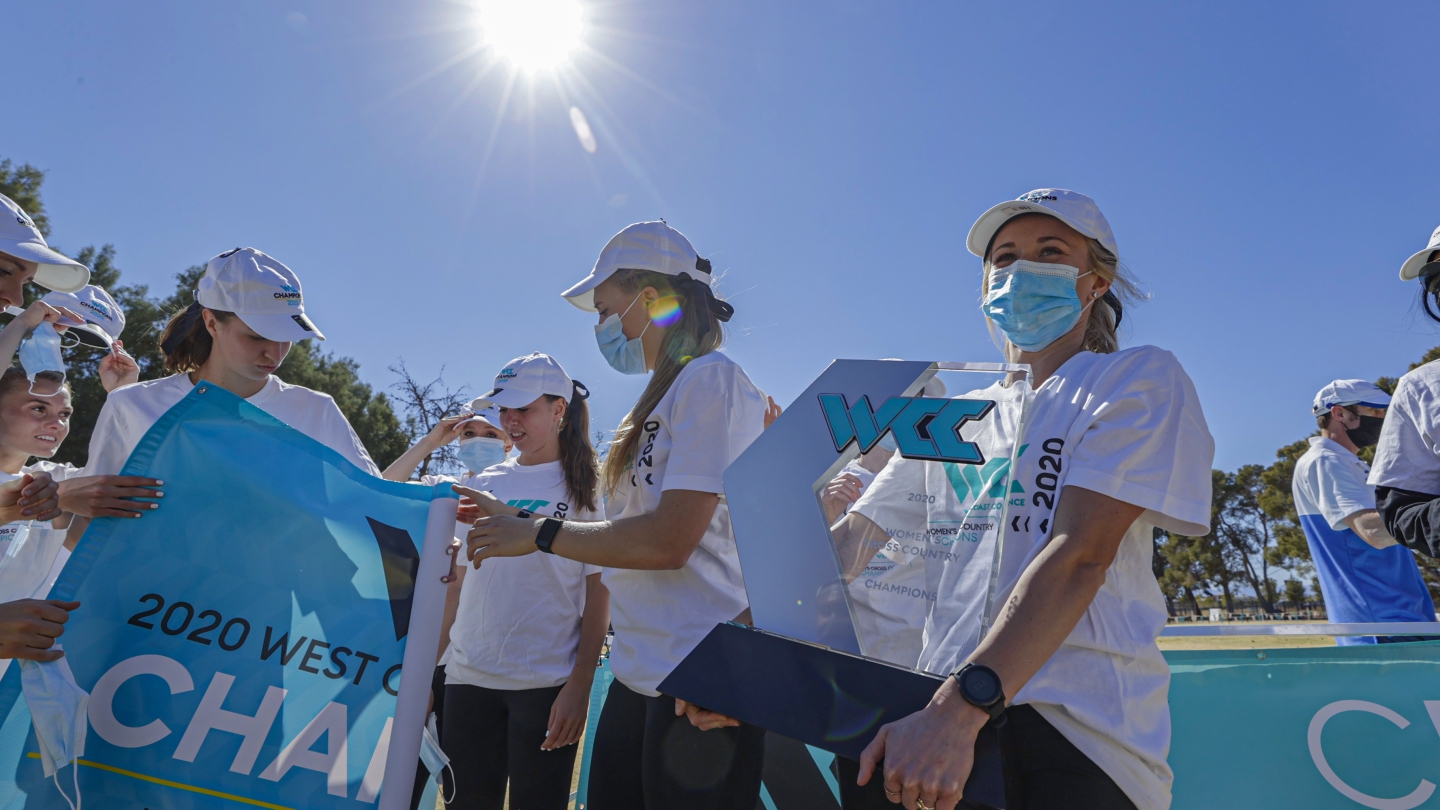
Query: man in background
x: 1365, y: 576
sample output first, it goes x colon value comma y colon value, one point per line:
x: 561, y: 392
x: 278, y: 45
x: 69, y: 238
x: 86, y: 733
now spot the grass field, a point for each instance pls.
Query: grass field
x: 1244, y: 642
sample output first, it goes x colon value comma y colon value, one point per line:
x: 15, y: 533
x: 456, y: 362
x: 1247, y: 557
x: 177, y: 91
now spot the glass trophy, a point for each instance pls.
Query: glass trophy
x: 869, y: 521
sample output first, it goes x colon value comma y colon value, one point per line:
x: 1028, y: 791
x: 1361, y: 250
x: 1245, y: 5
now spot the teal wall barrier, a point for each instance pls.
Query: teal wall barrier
x: 1314, y: 728
x: 1327, y: 727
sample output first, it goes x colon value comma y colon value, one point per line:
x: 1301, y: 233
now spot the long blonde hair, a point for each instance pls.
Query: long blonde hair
x: 1102, y: 329
x: 699, y: 331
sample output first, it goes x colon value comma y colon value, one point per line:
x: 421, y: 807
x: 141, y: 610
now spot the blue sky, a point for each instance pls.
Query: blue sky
x: 1266, y: 167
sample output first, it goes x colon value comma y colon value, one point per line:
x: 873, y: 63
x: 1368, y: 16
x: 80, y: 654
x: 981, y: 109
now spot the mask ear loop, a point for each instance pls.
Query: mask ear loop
x: 59, y: 389
x: 55, y: 777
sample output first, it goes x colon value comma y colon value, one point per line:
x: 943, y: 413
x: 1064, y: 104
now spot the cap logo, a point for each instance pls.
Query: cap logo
x: 505, y: 374
x: 98, y: 307
x: 291, y: 295
x: 1038, y: 196
x: 304, y: 322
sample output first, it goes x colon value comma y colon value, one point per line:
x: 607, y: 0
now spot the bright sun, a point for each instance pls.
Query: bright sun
x: 533, y: 34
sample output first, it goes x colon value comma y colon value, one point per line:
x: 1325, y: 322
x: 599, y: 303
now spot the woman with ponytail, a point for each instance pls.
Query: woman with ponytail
x: 248, y: 312
x: 667, y: 548
x: 526, y: 634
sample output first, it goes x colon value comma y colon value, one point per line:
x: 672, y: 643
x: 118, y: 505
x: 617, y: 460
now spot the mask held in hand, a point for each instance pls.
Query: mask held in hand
x: 59, y: 709
x: 40, y: 355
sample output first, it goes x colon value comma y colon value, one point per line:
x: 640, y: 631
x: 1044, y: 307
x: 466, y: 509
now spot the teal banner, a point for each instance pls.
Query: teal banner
x: 1328, y: 727
x: 245, y: 643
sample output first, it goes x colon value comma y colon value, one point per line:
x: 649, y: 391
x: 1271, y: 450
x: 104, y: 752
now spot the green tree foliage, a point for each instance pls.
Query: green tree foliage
x: 22, y: 184
x: 369, y: 412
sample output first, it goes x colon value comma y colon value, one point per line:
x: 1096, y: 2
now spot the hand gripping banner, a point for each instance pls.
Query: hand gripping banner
x: 244, y: 643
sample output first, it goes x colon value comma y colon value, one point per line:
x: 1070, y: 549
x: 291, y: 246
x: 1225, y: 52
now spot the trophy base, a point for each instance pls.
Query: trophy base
x: 832, y: 700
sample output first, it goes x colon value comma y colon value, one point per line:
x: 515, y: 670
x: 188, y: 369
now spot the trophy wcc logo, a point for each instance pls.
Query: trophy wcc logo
x: 925, y: 428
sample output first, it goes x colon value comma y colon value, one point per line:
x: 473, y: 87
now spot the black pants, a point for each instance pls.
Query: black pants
x: 493, y: 736
x: 1043, y: 771
x: 646, y: 758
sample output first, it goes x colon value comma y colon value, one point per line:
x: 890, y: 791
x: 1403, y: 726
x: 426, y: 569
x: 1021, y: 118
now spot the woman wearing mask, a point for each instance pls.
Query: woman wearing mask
x: 1406, y: 472
x: 1117, y: 444
x: 667, y: 549
x: 526, y: 635
x: 248, y: 311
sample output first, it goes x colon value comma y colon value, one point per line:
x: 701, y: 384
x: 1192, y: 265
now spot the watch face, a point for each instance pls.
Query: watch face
x: 981, y: 686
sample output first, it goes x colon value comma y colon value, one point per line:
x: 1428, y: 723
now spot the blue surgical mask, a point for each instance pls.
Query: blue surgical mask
x: 58, y: 708
x: 479, y: 452
x: 41, y: 352
x: 625, y: 355
x: 1033, y: 303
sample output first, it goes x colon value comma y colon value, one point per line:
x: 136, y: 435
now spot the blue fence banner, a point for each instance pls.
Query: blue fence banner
x: 1327, y: 727
x: 244, y: 644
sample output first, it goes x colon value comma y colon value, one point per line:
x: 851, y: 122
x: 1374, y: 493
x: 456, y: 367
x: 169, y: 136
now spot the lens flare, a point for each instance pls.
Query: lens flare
x: 666, y: 312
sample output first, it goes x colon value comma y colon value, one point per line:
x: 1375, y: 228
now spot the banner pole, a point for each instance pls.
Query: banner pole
x: 421, y: 648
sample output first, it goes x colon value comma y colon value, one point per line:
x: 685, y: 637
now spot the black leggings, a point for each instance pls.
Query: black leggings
x: 494, y: 735
x: 646, y: 758
x: 1043, y: 771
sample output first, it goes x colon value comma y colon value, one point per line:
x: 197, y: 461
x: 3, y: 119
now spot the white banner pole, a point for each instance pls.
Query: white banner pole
x: 421, y: 648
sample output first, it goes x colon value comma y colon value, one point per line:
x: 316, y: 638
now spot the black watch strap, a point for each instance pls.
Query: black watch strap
x: 980, y: 686
x: 546, y: 536
x: 524, y: 513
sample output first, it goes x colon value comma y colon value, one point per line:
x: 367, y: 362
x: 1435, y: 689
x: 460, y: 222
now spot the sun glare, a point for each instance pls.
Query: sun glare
x: 533, y: 34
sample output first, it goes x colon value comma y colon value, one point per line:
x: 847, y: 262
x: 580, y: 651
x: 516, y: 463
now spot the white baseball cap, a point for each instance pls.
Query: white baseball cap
x: 264, y: 293
x: 1350, y: 392
x: 20, y: 238
x: 490, y: 416
x: 524, y: 380
x: 1070, y: 207
x: 1410, y: 270
x: 643, y: 246
x: 104, y: 319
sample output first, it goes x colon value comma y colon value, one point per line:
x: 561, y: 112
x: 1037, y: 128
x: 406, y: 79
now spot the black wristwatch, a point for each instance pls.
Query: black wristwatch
x: 980, y: 686
x: 524, y: 513
x: 546, y: 536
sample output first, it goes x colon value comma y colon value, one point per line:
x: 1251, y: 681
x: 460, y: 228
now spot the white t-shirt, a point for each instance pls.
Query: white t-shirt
x: 58, y: 472
x: 1127, y: 425
x: 942, y: 524
x: 888, y: 619
x: 1408, y: 454
x: 711, y: 413
x: 131, y: 411
x: 8, y: 532
x: 518, y: 623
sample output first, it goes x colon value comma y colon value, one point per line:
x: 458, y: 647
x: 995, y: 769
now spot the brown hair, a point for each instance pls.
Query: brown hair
x: 698, y: 332
x: 1323, y: 420
x: 577, y: 456
x: 186, y: 343
x: 15, y: 379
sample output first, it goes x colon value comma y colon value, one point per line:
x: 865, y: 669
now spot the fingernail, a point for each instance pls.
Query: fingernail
x: 159, y: 483
x: 159, y: 494
x: 154, y: 506
x: 28, y: 512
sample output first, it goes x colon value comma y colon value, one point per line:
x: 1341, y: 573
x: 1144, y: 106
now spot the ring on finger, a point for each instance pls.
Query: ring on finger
x: 919, y: 803
x: 889, y: 792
